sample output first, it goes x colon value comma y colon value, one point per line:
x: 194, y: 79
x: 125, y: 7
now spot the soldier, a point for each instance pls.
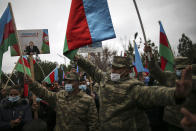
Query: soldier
x: 172, y: 114
x: 75, y: 110
x: 189, y: 120
x: 123, y: 100
x: 189, y: 110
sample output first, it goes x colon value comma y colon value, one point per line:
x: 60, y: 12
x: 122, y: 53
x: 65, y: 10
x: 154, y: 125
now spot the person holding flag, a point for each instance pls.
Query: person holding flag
x: 75, y: 110
x: 123, y: 98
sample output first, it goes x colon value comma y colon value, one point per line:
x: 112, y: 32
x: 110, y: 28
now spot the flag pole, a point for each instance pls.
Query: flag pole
x: 141, y: 24
x: 10, y: 79
x: 32, y: 67
x: 16, y: 33
x: 36, y: 117
x: 11, y: 74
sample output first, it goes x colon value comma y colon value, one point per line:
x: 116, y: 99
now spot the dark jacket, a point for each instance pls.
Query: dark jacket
x: 34, y: 50
x: 11, y: 111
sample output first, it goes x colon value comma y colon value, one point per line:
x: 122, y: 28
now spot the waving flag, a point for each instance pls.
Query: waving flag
x: 167, y: 57
x: 138, y: 63
x: 7, y: 33
x: 45, y: 45
x: 89, y: 22
x: 53, y: 76
x: 19, y: 66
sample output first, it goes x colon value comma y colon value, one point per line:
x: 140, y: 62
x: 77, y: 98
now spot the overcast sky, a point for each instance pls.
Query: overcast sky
x: 177, y: 16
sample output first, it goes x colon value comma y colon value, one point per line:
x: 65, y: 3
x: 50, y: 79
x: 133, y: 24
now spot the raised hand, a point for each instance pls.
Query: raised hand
x: 184, y: 85
x: 189, y: 120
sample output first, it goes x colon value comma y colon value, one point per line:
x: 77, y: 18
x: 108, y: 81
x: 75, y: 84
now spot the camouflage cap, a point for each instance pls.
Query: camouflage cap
x: 120, y: 62
x: 72, y: 76
x: 182, y: 62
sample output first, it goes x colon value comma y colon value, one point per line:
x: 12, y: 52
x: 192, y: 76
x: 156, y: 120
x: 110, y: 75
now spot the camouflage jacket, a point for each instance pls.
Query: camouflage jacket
x: 122, y: 103
x: 73, y: 113
x: 165, y: 78
x: 172, y: 114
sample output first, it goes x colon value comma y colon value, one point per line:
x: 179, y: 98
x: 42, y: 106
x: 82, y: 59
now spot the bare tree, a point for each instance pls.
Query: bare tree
x: 103, y: 60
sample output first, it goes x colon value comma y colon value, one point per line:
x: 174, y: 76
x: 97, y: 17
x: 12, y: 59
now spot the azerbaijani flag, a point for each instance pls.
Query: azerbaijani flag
x: 45, y: 45
x: 167, y: 57
x: 138, y: 65
x: 14, y: 49
x: 7, y: 33
x: 89, y: 22
x: 138, y: 62
x: 19, y: 66
x: 53, y: 76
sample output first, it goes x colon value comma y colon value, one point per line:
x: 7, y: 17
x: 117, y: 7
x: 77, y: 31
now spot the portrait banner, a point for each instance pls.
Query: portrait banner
x: 33, y: 42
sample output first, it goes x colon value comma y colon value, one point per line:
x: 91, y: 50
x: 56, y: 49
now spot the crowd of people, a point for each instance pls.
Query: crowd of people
x: 105, y: 101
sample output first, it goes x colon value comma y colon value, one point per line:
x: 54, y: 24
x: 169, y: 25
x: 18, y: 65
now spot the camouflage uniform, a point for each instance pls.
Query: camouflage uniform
x: 165, y: 78
x: 122, y: 102
x: 172, y: 114
x: 73, y: 112
x: 190, y: 102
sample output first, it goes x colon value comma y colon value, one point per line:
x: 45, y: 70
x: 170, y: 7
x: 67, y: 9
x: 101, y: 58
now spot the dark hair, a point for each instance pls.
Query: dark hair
x: 35, y: 125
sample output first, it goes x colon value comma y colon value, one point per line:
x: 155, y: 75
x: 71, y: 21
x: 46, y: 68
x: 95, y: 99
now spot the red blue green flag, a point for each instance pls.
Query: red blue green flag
x: 165, y: 51
x: 7, y: 33
x: 19, y: 66
x: 53, y: 76
x: 45, y: 45
x: 89, y: 22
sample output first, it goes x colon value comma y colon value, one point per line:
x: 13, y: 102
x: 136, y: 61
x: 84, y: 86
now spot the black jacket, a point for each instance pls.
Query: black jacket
x: 34, y: 50
x: 11, y: 111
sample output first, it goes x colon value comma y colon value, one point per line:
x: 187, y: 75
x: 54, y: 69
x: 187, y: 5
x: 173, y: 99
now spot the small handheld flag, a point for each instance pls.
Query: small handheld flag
x: 53, y: 76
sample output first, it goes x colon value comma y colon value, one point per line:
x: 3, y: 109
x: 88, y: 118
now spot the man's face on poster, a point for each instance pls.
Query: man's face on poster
x: 31, y: 43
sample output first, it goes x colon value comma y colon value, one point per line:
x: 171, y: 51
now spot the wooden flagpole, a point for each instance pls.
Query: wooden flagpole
x: 16, y: 33
x: 11, y: 74
x: 36, y: 117
x: 141, y: 24
x: 10, y: 79
x: 143, y: 31
x: 32, y: 67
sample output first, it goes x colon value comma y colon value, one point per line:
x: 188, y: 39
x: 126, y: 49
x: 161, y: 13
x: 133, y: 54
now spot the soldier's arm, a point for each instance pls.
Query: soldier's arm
x: 92, y: 117
x: 165, y: 78
x: 156, y: 72
x: 147, y: 96
x: 40, y: 90
x: 91, y: 69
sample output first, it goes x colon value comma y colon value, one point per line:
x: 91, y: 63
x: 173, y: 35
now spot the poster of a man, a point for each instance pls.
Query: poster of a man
x: 33, y: 42
x: 31, y: 49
